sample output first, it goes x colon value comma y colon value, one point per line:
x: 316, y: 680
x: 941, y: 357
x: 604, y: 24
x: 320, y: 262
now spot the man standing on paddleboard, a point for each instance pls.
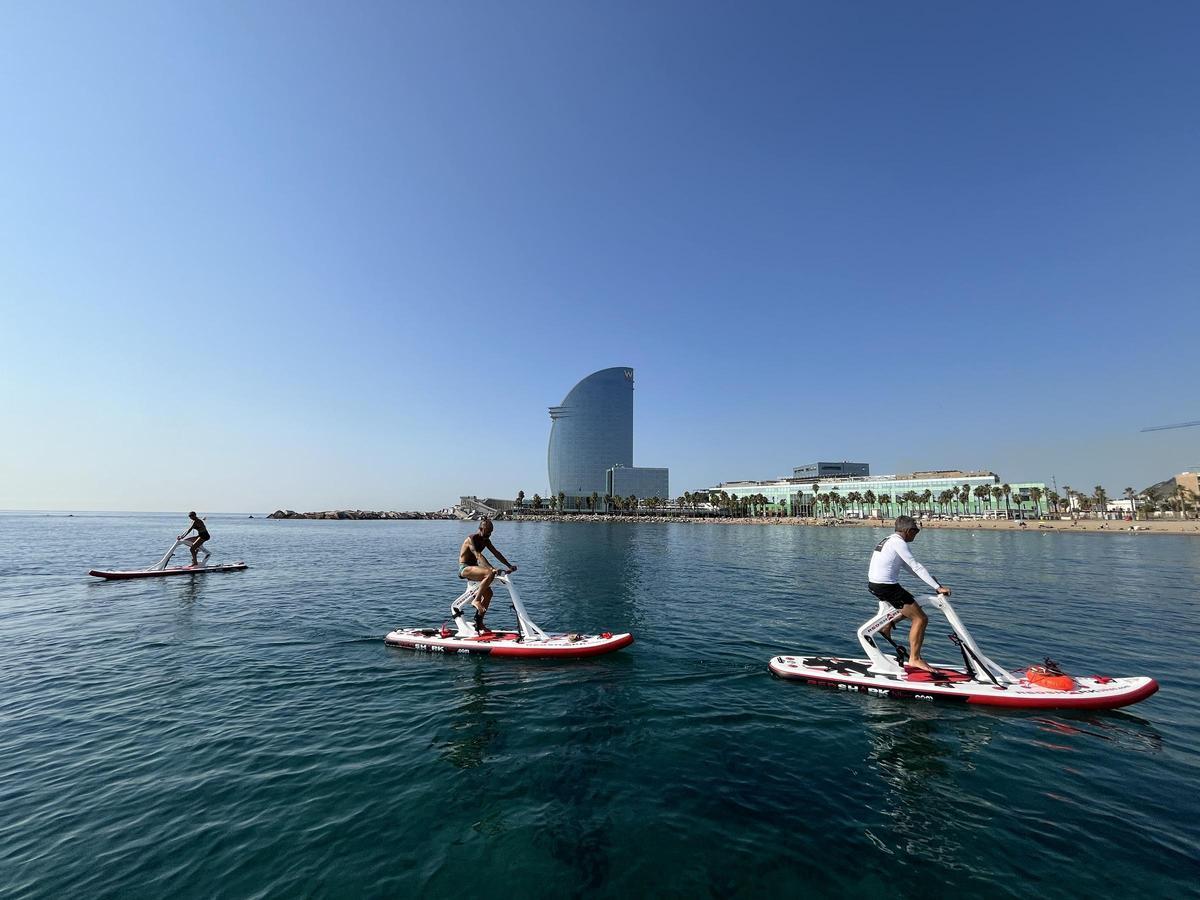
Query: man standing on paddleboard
x: 201, y: 535
x: 890, y: 555
x: 473, y: 566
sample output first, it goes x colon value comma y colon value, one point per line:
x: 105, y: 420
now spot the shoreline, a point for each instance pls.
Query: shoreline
x: 1035, y: 526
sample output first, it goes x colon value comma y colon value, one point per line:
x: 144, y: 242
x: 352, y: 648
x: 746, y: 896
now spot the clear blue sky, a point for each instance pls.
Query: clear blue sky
x: 325, y: 255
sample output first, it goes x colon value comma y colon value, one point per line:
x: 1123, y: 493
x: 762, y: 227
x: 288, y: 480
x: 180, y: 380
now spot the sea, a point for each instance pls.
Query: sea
x: 250, y: 735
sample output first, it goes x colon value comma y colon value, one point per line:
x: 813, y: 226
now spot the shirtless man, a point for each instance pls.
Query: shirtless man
x: 890, y: 555
x: 201, y: 535
x: 473, y: 566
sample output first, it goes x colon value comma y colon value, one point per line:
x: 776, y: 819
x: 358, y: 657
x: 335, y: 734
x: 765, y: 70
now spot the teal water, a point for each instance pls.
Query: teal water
x: 249, y: 734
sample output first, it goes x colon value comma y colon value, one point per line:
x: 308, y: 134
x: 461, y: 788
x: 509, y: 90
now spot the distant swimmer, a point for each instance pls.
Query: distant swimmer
x: 890, y: 555
x: 201, y: 535
x: 474, y: 566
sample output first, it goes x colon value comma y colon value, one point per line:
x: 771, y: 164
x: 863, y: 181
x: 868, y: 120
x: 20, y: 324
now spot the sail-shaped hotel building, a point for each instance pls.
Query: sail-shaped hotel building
x: 591, y: 442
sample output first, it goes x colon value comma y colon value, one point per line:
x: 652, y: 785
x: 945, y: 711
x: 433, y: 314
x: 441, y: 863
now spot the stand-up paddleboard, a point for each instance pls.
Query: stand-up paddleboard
x: 509, y: 643
x: 954, y: 684
x: 528, y: 640
x: 979, y: 681
x: 172, y: 570
x: 161, y: 569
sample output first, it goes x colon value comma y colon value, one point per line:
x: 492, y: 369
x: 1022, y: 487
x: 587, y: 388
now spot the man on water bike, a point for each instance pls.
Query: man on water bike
x: 201, y: 535
x: 890, y: 555
x: 473, y: 566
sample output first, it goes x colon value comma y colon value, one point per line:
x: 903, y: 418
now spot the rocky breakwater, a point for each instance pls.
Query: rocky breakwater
x: 352, y: 514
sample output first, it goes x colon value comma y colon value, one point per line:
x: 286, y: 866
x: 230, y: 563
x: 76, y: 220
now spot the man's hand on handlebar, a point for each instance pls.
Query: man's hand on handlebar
x: 944, y: 591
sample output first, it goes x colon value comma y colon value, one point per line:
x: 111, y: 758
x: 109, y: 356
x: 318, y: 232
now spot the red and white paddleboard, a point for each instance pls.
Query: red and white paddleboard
x: 509, y: 643
x: 172, y: 570
x: 954, y: 684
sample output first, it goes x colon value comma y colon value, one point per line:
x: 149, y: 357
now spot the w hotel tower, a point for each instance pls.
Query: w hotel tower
x: 590, y: 432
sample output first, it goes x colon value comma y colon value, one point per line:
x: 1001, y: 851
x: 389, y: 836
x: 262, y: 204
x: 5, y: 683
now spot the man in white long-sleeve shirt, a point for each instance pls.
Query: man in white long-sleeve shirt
x: 883, y: 580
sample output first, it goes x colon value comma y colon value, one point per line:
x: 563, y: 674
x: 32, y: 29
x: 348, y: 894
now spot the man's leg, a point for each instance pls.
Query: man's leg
x: 483, y: 597
x: 916, y: 635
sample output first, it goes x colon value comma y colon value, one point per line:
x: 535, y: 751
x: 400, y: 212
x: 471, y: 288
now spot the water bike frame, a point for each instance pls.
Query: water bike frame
x: 526, y: 627
x: 980, y: 667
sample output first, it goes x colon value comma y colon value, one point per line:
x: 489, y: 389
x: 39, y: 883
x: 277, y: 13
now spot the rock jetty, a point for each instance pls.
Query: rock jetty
x: 352, y: 514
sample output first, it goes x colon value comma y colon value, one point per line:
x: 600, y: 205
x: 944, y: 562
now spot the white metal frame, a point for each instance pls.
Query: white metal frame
x: 981, y: 668
x: 179, y: 542
x: 527, y: 628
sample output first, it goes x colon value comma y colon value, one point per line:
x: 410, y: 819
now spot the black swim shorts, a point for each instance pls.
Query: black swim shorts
x: 894, y: 594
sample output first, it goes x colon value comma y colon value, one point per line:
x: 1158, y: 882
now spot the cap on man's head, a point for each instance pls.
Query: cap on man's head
x: 906, y: 523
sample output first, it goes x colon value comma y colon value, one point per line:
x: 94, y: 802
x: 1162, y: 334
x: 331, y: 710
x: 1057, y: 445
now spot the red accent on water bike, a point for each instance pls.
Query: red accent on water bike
x: 1043, y: 677
x: 1068, y: 702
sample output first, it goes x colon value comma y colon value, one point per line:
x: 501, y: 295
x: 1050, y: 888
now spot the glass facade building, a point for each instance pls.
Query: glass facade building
x: 641, y: 482
x: 831, y: 470
x: 591, y: 431
x: 796, y: 497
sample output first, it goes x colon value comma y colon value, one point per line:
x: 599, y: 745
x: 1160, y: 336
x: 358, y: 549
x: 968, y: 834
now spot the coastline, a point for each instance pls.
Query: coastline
x: 1033, y: 526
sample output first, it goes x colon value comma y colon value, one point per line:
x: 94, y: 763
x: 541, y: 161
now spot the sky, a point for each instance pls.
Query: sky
x: 328, y: 255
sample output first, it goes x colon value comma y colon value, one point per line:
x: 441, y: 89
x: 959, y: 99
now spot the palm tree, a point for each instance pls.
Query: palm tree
x: 562, y: 498
x: 1101, y: 500
x: 944, y: 499
x: 537, y: 501
x: 553, y: 503
x: 997, y: 493
x: 982, y: 492
x: 834, y: 499
x: 1128, y: 492
x: 1054, y: 499
x: 594, y: 500
x: 816, y: 489
x: 1035, y: 494
x: 854, y: 498
x: 885, y: 504
x: 520, y: 499
x: 871, y: 499
x: 1177, y: 494
x: 1006, y: 489
x: 966, y: 497
x: 1068, y: 493
x: 633, y: 503
x: 926, y: 496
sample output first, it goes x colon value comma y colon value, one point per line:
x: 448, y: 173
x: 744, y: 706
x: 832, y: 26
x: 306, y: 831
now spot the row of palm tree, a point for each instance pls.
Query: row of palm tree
x: 954, y: 501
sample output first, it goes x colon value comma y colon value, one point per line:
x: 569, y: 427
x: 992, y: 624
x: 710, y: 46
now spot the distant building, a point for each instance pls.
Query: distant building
x: 591, y: 434
x: 830, y: 470
x: 795, y: 496
x: 638, y: 481
x: 1189, y: 481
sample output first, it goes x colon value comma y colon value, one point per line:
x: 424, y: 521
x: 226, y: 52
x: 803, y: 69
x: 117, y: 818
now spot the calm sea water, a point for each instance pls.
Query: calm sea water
x: 250, y: 735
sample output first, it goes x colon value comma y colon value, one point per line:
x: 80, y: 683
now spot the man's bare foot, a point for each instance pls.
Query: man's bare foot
x: 920, y: 664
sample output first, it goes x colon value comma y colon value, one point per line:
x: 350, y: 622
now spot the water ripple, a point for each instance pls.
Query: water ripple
x: 250, y: 735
